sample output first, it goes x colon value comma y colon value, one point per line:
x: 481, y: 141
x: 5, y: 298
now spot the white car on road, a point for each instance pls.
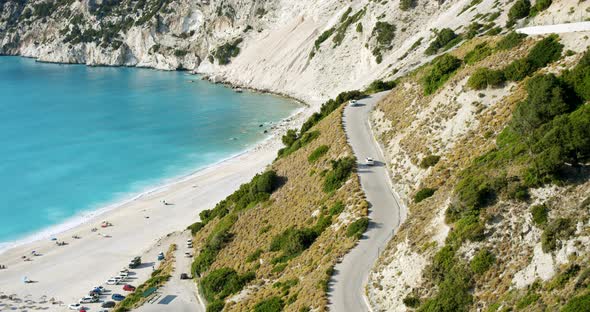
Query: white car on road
x: 113, y: 281
x: 369, y: 161
x: 75, y: 307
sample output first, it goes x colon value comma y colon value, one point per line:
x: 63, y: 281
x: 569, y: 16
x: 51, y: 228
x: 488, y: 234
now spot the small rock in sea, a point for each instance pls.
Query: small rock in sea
x: 265, y: 131
x: 260, y: 125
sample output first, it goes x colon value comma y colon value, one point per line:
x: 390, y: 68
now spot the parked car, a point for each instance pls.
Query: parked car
x: 98, y: 289
x: 188, y: 254
x: 88, y: 299
x: 353, y: 103
x: 123, y: 274
x: 75, y: 306
x: 184, y: 276
x: 112, y: 281
x: 160, y: 256
x: 128, y: 287
x: 117, y: 297
x: 370, y: 161
x: 108, y: 304
x: 135, y: 262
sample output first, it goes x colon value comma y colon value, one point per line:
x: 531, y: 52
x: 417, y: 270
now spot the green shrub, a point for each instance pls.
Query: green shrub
x: 482, y: 261
x: 473, y: 29
x: 254, y: 256
x: 528, y: 299
x: 511, y: 40
x: 380, y: 85
x: 220, y: 283
x: 578, y: 304
x: 542, y: 5
x: 323, y: 37
x: 561, y: 228
x: 518, y: 70
x: 357, y: 228
x: 579, y: 77
x: 195, y: 227
x: 215, y: 306
x: 385, y: 32
x: 411, y: 301
x: 300, y: 141
x: 318, y: 153
x: 469, y: 227
x: 293, y: 242
x: 453, y: 292
x: 423, y: 194
x: 445, y: 39
x: 272, y: 304
x: 405, y: 5
x: 429, y: 161
x: 545, y: 51
x: 539, y: 213
x: 484, y: 77
x: 336, y: 209
x: 341, y: 170
x: 478, y: 53
x: 227, y: 51
x: 441, y: 71
x: 520, y: 9
x: 561, y: 280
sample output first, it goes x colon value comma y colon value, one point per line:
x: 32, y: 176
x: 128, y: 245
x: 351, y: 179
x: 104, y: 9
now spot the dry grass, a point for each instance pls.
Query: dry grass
x: 293, y: 205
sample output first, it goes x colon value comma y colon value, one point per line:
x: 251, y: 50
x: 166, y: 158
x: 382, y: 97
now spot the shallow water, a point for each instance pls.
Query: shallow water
x: 76, y: 138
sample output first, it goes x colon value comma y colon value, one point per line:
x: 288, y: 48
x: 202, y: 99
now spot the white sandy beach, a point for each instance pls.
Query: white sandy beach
x: 67, y: 273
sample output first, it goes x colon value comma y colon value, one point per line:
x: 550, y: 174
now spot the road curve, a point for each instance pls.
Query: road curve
x: 347, y: 287
x: 555, y: 29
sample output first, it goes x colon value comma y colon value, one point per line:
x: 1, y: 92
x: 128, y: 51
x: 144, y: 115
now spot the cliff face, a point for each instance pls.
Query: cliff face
x: 308, y: 49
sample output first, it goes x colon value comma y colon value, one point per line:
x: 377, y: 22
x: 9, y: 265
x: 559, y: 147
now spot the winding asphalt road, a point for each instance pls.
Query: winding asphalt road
x: 347, y: 287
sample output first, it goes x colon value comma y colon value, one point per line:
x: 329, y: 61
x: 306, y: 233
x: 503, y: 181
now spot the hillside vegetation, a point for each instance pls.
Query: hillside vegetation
x: 272, y: 244
x: 491, y: 154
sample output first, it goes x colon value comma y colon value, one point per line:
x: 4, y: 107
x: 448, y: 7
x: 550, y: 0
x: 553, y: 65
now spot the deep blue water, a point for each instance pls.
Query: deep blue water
x: 76, y: 138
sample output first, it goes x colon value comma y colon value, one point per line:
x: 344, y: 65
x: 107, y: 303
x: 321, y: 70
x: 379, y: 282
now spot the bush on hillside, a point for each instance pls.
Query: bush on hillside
x: 227, y: 51
x: 215, y: 306
x: 445, y: 39
x: 511, y: 40
x: 380, y: 85
x: 545, y: 51
x: 484, y: 77
x: 405, y: 5
x: 424, y: 193
x: 297, y: 143
x: 577, y: 304
x: 482, y: 261
x: 473, y: 30
x: 579, y: 77
x: 559, y: 229
x: 341, y: 170
x: 518, y: 69
x: 318, y: 153
x: 442, y: 69
x: 220, y: 283
x: 429, y: 161
x: 453, y: 291
x: 478, y: 53
x: 357, y: 228
x: 336, y: 209
x: 272, y: 304
x: 520, y: 9
x: 539, y: 214
x: 542, y: 5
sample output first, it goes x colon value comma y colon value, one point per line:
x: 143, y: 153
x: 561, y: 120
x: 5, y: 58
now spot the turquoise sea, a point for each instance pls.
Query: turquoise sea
x: 74, y: 139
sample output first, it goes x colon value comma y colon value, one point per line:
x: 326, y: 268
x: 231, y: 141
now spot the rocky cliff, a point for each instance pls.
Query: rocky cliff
x: 311, y: 50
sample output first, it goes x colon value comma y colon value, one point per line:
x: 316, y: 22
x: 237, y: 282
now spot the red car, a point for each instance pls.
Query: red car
x: 129, y: 288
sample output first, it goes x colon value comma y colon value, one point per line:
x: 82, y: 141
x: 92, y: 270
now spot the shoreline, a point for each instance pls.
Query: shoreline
x: 102, y: 209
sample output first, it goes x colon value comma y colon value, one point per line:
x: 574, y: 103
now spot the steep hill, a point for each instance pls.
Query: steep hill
x: 476, y: 144
x: 276, y: 240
